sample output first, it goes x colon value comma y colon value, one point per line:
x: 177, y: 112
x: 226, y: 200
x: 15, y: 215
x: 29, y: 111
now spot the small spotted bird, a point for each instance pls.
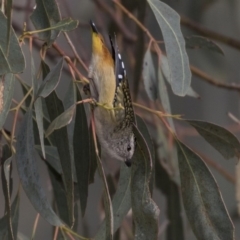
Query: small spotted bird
x: 113, y: 112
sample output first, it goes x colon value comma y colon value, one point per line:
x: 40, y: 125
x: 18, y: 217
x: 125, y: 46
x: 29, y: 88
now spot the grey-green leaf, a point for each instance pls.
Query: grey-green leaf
x: 7, y: 84
x: 149, y: 76
x: 51, y: 81
x: 169, y: 22
x: 14, y: 217
x: 145, y: 211
x: 81, y: 148
x: 220, y: 138
x: 11, y: 56
x: 121, y: 202
x: 62, y: 120
x: 166, y: 73
x: 46, y: 15
x: 28, y: 172
x: 196, y: 42
x: 66, y: 24
x: 202, y: 199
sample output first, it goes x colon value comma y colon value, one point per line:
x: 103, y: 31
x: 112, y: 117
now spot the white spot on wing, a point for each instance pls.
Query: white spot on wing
x: 120, y: 76
x: 122, y: 65
x: 35, y: 7
x: 119, y: 56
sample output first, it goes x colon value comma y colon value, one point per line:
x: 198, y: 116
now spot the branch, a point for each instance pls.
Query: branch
x: 209, y: 33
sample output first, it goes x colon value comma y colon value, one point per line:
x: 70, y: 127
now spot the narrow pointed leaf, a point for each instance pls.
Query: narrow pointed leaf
x: 14, y: 218
x: 171, y: 190
x: 220, y: 138
x: 38, y: 107
x: 62, y: 120
x: 28, y: 172
x: 51, y: 81
x: 81, y: 153
x: 196, y: 42
x: 121, y: 202
x: 55, y: 108
x: 66, y: 24
x: 7, y: 84
x: 11, y: 56
x: 202, y: 199
x: 169, y: 22
x: 145, y: 211
x: 9, y: 21
x: 6, y: 185
x: 46, y: 15
x: 149, y: 76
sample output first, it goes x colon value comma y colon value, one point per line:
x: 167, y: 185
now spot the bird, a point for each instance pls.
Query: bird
x: 113, y: 112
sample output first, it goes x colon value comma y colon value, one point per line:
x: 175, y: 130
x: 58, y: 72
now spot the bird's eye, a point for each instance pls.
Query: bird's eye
x: 129, y: 148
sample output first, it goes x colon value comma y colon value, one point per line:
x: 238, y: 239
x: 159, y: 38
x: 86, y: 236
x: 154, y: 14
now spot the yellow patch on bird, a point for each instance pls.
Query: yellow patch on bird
x: 97, y: 43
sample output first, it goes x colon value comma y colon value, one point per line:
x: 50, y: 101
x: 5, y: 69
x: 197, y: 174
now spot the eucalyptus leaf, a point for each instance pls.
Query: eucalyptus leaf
x: 6, y: 161
x: 149, y: 76
x: 14, y: 218
x: 51, y: 80
x: 202, y: 199
x: 28, y: 172
x: 196, y: 42
x: 145, y: 211
x: 9, y: 21
x: 61, y: 121
x: 166, y: 73
x: 220, y: 138
x: 38, y: 107
x: 66, y: 24
x: 121, y: 202
x: 55, y: 108
x: 169, y: 22
x: 7, y: 84
x: 11, y: 56
x: 45, y: 15
x: 81, y: 152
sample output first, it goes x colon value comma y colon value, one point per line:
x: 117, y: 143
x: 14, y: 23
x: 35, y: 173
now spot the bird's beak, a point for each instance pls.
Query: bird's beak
x: 128, y: 162
x: 94, y: 29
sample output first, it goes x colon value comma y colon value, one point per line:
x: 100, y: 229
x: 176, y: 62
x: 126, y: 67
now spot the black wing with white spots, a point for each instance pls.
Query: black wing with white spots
x: 122, y: 94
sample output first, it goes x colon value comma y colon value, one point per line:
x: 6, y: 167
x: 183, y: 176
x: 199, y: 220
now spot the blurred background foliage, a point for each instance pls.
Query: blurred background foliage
x: 215, y: 98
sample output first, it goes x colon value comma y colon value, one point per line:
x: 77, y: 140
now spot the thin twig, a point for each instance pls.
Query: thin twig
x: 75, y: 51
x: 126, y: 33
x: 35, y: 226
x: 213, y: 81
x: 209, y: 33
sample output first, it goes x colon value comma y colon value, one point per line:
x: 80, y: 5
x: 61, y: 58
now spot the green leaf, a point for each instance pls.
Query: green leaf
x: 7, y: 84
x: 196, y: 42
x: 169, y: 22
x: 144, y: 131
x: 202, y: 200
x: 166, y: 73
x: 59, y: 194
x: 149, y: 76
x: 28, y: 173
x: 81, y: 152
x: 170, y: 189
x: 121, y: 202
x: 6, y: 161
x: 11, y: 56
x: 220, y: 138
x: 55, y: 108
x: 62, y: 120
x: 163, y: 95
x: 9, y: 21
x: 46, y: 15
x: 38, y: 107
x: 145, y: 211
x: 14, y: 218
x: 51, y: 80
x: 66, y: 24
